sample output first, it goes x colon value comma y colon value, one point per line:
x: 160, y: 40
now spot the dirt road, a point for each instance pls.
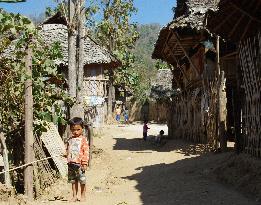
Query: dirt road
x: 128, y: 171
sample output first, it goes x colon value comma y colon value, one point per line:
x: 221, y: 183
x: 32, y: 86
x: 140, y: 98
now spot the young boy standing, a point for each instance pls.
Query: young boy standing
x: 77, y: 153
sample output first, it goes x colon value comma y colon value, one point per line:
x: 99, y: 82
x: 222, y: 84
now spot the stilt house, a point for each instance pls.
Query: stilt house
x: 96, y: 60
x: 190, y: 48
x: 239, y: 24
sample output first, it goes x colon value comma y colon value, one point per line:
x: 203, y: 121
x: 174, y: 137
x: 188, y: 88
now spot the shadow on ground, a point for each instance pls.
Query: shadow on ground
x: 139, y: 145
x: 186, y: 182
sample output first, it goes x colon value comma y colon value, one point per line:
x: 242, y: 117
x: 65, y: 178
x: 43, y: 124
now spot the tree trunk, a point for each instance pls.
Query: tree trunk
x: 29, y: 138
x: 5, y: 158
x: 80, y: 59
x: 72, y: 74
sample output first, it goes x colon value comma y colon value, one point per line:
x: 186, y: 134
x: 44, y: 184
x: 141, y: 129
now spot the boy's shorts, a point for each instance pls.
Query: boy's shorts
x: 75, y: 173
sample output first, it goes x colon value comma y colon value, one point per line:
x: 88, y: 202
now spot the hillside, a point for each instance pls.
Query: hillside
x: 146, y: 67
x: 145, y: 44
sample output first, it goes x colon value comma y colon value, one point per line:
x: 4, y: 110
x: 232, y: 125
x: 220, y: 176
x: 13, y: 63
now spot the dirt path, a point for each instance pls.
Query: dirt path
x: 129, y: 171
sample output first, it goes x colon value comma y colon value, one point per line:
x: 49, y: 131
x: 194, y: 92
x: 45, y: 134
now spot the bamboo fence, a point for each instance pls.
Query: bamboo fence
x: 250, y: 63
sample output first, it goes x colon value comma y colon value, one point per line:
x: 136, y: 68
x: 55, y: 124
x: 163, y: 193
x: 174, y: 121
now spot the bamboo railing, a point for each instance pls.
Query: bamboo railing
x: 95, y: 87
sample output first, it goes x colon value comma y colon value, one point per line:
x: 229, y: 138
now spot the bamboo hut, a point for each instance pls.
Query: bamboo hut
x: 239, y: 23
x: 190, y: 48
x: 96, y: 60
x: 161, y: 92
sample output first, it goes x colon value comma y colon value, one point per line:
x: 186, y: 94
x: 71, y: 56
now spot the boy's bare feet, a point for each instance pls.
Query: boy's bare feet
x: 73, y: 199
x: 83, y: 199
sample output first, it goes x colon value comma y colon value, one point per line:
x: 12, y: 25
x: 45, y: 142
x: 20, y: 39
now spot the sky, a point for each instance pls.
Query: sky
x: 149, y: 11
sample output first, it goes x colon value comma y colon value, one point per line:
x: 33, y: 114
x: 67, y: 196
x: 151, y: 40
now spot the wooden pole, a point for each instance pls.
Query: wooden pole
x: 80, y: 59
x: 110, y: 97
x: 218, y: 94
x: 218, y: 55
x: 72, y: 74
x: 29, y: 138
x: 89, y: 129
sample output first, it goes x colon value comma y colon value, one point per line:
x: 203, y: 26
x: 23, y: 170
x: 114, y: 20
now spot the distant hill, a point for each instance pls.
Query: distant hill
x: 145, y: 44
x: 145, y: 66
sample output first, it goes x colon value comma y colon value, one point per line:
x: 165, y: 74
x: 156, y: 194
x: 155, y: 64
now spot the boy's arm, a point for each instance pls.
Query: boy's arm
x: 85, y: 152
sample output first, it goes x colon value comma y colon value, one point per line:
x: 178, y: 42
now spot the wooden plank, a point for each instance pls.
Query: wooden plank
x: 179, y: 67
x: 186, y: 54
x: 166, y: 42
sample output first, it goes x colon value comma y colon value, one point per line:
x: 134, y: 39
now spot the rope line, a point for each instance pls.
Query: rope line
x: 25, y: 165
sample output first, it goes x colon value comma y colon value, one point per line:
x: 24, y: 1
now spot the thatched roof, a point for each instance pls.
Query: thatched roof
x: 57, y: 18
x: 235, y: 19
x: 184, y: 7
x: 162, y: 86
x: 93, y: 53
x: 187, y: 26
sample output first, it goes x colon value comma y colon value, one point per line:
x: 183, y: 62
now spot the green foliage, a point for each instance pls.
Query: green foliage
x: 161, y: 65
x: 145, y: 66
x: 118, y: 35
x: 12, y: 75
x: 11, y: 27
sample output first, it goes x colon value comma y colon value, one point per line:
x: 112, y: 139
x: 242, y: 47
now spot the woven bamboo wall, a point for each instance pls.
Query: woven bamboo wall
x: 186, y: 120
x: 193, y: 116
x: 250, y: 63
x: 158, y: 111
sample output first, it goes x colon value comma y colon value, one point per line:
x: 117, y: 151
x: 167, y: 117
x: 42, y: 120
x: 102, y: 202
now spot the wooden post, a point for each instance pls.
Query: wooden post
x: 29, y: 138
x: 218, y: 56
x: 72, y: 74
x: 5, y: 158
x: 221, y: 114
x: 218, y: 100
x: 89, y: 127
x: 80, y: 59
x: 110, y: 98
x: 36, y: 181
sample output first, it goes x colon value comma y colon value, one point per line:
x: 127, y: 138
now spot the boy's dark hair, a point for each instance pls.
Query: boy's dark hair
x: 76, y: 121
x: 161, y: 132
